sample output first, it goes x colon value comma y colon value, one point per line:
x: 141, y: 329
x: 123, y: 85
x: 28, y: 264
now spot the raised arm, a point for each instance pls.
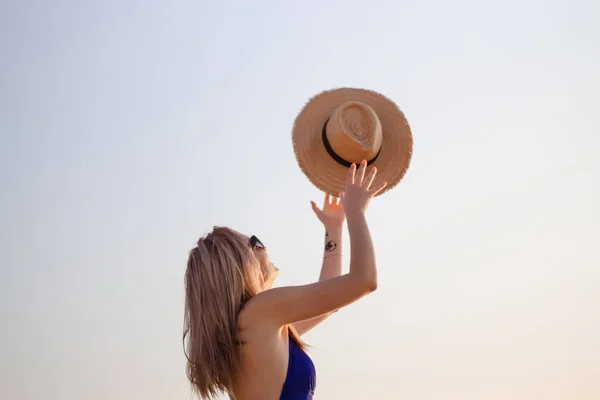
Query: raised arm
x: 287, y: 305
x: 332, y: 216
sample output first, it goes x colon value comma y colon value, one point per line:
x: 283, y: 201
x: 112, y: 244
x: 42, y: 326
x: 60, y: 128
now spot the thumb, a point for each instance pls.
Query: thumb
x: 316, y: 209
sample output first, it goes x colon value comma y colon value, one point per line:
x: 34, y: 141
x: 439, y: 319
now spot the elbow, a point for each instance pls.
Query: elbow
x: 372, y: 282
x: 371, y: 285
x: 366, y: 283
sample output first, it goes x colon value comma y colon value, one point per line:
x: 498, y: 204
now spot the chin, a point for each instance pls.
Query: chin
x: 271, y: 281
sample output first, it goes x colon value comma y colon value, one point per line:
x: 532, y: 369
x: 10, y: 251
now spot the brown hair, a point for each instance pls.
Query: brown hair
x: 222, y: 275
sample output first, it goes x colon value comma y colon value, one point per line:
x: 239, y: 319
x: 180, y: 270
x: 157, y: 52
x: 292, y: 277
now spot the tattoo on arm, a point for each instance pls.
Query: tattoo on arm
x: 330, y: 245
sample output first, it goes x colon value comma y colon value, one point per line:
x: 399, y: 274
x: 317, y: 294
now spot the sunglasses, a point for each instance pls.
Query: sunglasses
x: 255, y: 243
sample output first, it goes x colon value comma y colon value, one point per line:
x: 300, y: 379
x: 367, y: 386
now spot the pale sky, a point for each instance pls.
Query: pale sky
x: 130, y: 128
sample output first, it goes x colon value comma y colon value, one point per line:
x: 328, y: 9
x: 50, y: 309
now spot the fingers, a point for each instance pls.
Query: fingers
x: 369, y: 179
x: 350, y: 176
x: 378, y: 188
x: 316, y: 209
x: 361, y: 173
x: 314, y: 206
x: 358, y: 177
x: 330, y: 200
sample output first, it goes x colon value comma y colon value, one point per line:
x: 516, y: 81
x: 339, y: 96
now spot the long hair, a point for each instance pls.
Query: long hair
x: 222, y: 275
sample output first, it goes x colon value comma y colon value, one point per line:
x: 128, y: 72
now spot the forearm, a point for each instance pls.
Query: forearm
x: 332, y: 253
x: 332, y: 267
x: 362, y: 257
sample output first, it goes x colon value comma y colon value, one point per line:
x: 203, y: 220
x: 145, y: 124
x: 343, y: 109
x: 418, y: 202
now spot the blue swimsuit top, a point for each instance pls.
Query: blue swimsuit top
x: 301, y: 377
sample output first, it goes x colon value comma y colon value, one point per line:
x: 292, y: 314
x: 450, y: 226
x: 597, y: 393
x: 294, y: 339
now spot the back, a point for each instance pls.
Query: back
x: 264, y: 357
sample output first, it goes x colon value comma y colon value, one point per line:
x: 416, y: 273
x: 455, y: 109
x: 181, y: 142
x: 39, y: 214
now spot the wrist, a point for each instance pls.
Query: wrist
x: 330, y: 255
x: 355, y: 216
x: 337, y: 227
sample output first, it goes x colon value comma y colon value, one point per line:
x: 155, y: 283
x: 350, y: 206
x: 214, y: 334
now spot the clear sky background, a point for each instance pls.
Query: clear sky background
x: 130, y: 128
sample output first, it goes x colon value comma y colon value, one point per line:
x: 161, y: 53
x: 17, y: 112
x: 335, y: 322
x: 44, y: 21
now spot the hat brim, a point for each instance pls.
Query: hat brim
x: 326, y: 173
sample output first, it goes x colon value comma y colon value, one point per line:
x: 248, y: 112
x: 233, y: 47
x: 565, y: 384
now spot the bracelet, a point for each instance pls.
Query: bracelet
x: 333, y: 255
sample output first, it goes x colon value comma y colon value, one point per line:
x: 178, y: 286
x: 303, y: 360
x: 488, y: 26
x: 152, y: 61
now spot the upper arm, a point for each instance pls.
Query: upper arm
x: 290, y: 304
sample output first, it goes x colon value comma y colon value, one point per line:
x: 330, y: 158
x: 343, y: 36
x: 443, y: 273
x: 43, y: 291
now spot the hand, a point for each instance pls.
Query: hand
x: 359, y: 192
x: 332, y: 215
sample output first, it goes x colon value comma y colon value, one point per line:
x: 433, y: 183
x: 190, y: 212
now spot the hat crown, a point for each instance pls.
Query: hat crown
x: 354, y: 132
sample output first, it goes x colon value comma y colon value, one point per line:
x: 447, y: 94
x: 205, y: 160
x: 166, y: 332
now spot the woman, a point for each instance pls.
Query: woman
x: 243, y: 336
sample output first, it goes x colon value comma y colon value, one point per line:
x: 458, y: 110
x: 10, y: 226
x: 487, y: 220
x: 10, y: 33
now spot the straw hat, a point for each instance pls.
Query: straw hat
x: 343, y: 126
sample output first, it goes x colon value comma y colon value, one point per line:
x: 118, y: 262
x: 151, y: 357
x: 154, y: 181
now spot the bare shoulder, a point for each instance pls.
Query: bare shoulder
x: 252, y: 321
